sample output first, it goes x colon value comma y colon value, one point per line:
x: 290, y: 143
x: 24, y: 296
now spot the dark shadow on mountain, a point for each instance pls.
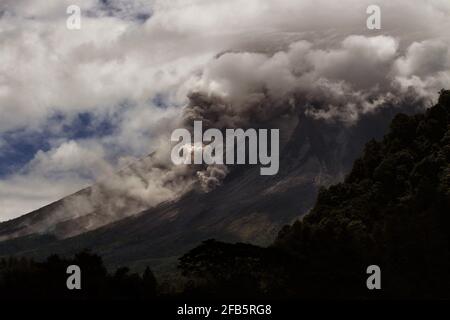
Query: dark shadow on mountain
x: 392, y: 210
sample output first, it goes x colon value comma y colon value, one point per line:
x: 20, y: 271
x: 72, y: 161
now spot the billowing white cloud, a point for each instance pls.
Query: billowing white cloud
x: 48, y: 176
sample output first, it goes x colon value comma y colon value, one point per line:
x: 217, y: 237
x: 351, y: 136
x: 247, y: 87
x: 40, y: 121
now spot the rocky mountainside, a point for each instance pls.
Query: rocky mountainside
x: 392, y: 211
x: 246, y: 207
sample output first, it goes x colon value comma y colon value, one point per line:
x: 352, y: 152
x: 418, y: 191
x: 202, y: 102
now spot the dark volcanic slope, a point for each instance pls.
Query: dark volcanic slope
x: 247, y: 207
x: 393, y: 210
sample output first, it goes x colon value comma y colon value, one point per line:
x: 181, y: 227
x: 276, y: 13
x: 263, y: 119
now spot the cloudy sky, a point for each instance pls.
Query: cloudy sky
x: 76, y: 105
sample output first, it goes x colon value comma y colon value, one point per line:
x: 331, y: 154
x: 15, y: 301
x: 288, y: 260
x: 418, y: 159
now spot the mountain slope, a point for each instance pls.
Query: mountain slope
x: 392, y: 210
x: 246, y: 207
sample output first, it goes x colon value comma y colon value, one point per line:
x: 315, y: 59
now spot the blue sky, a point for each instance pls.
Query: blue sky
x: 77, y: 92
x: 20, y: 146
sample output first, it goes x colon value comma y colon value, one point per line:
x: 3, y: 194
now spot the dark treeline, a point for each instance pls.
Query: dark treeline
x: 21, y: 278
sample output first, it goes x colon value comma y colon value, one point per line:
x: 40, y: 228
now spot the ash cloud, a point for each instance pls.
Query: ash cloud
x: 357, y: 76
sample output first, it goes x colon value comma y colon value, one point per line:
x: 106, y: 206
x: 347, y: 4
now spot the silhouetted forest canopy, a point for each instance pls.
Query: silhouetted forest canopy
x: 21, y: 278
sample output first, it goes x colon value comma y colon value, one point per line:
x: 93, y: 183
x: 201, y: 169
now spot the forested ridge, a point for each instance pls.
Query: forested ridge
x: 392, y: 210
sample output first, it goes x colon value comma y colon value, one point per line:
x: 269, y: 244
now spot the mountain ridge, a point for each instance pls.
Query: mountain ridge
x: 246, y: 207
x: 391, y: 214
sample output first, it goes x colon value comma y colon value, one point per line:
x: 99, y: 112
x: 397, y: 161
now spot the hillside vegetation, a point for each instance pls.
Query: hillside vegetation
x: 392, y: 210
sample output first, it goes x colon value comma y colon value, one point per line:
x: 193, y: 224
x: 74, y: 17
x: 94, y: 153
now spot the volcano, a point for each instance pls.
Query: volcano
x: 246, y: 207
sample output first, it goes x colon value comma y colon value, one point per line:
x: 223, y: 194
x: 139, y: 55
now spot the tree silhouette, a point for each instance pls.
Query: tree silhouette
x: 21, y: 278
